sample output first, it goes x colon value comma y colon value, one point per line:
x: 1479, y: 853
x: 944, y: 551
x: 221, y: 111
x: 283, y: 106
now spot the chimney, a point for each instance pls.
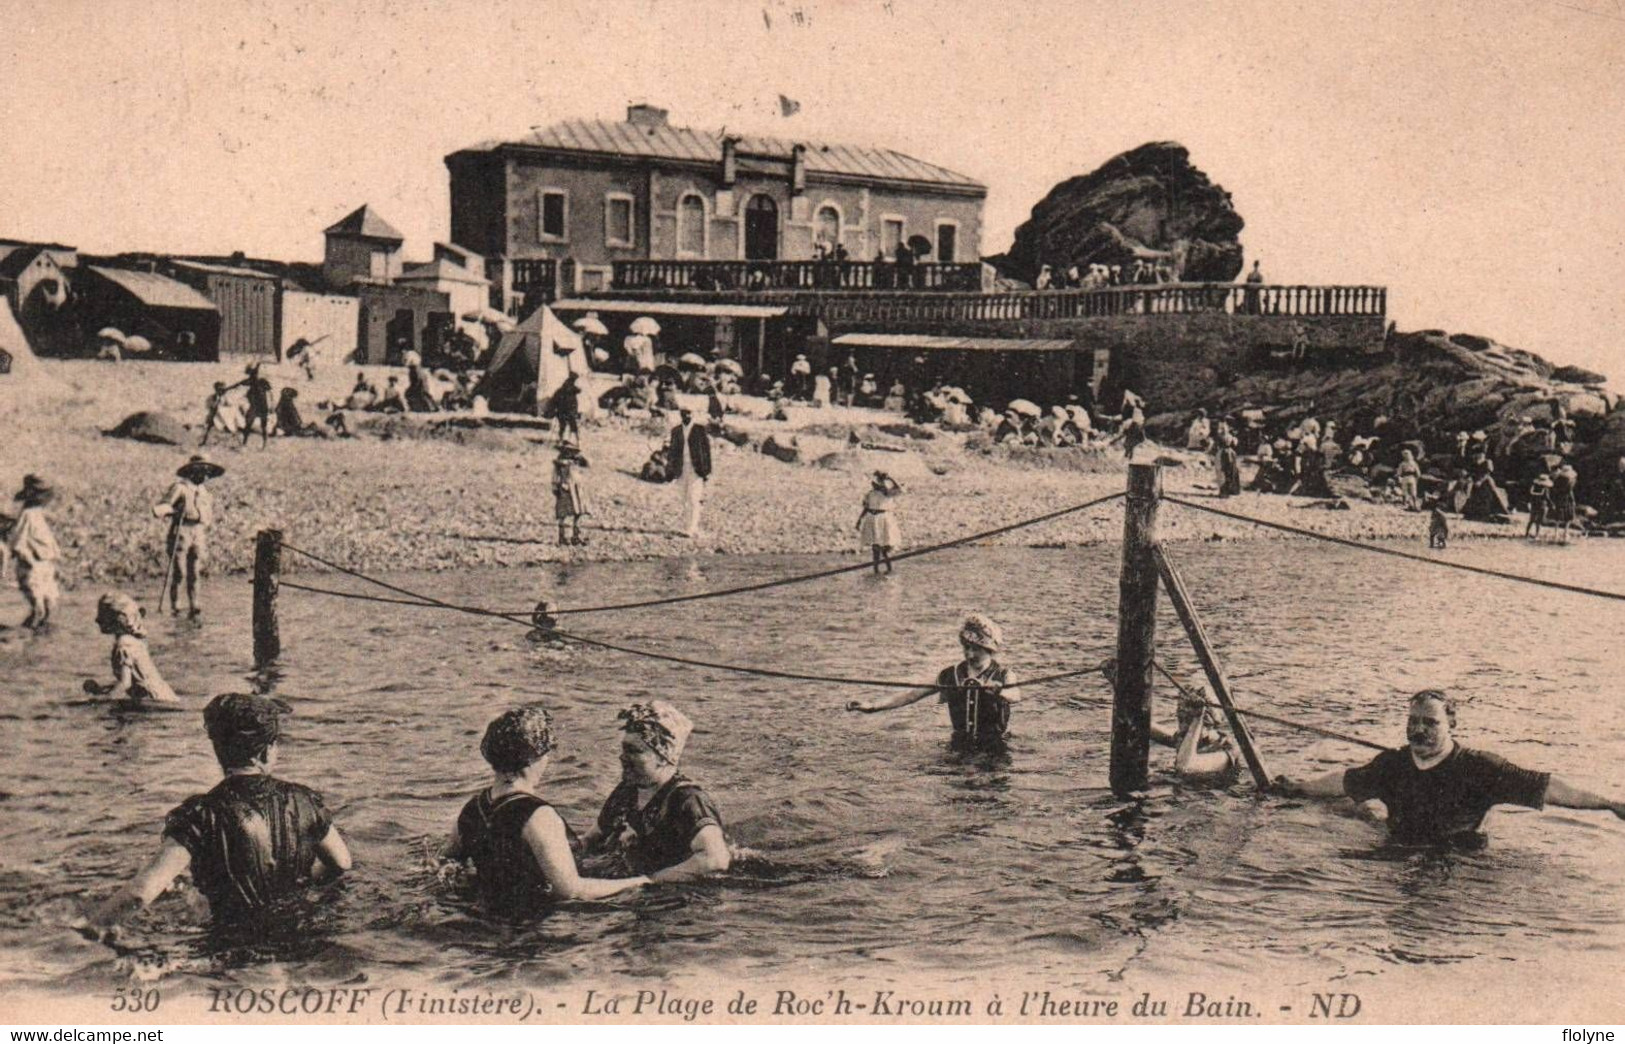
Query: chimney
x: 798, y: 169
x: 643, y: 115
x: 730, y: 161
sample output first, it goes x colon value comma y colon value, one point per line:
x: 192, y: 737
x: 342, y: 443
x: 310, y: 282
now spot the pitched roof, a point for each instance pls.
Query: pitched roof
x: 441, y: 270
x: 364, y: 221
x: 683, y: 143
x: 155, y: 290
x: 15, y: 260
x: 231, y: 270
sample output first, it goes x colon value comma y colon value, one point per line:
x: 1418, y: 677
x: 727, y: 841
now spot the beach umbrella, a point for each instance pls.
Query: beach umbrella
x: 485, y: 315
x: 646, y: 326
x: 591, y: 324
x: 137, y: 344
x: 109, y: 333
x: 1079, y: 415
x: 730, y: 366
x: 958, y: 395
x: 1024, y: 407
x: 692, y: 360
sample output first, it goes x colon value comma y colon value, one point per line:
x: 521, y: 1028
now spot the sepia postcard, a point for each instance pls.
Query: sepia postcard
x: 785, y: 512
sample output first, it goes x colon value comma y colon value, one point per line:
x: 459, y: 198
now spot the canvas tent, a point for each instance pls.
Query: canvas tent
x: 16, y: 357
x: 530, y: 362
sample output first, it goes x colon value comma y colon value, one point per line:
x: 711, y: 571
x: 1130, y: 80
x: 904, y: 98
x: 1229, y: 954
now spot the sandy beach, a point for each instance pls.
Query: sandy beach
x: 419, y: 495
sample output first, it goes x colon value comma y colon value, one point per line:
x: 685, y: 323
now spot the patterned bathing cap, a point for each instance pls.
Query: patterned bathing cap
x: 663, y: 727
x: 980, y: 630
x: 518, y: 738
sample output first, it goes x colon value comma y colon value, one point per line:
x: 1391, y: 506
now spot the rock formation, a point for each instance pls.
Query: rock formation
x: 1434, y: 383
x: 1148, y: 204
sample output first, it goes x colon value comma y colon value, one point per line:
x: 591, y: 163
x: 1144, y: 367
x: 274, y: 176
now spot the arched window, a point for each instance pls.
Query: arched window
x: 827, y: 226
x: 691, y: 226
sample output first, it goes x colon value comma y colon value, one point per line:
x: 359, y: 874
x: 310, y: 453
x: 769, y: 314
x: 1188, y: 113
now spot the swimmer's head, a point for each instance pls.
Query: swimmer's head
x: 120, y: 614
x: 244, y: 727
x: 979, y: 631
x: 517, y: 739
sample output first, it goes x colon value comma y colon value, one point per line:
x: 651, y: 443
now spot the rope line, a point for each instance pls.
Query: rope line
x: 1555, y: 585
x: 1261, y: 716
x: 428, y: 602
x: 769, y: 584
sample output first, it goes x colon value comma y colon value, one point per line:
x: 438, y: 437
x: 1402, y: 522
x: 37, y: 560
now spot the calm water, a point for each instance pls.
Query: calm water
x: 880, y: 853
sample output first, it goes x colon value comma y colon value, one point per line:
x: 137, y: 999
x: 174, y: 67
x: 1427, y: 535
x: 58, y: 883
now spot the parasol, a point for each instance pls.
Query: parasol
x: 1024, y: 407
x: 644, y: 325
x: 109, y: 333
x: 591, y: 324
x: 958, y: 395
x: 730, y: 366
x: 692, y: 360
x: 137, y: 344
x: 1079, y: 415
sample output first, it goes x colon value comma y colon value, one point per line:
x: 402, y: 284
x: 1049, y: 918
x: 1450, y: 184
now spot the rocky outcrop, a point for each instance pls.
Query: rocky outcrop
x: 1149, y: 203
x: 155, y: 427
x: 1434, y: 384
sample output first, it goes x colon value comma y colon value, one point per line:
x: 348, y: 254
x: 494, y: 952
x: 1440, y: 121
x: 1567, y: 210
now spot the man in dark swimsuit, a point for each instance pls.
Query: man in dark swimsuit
x: 1438, y: 792
x: 661, y: 822
x: 251, y: 842
x: 259, y: 404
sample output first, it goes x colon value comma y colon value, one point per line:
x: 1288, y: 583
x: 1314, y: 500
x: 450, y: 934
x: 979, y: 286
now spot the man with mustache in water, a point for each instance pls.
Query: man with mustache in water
x: 1437, y: 791
x: 659, y: 822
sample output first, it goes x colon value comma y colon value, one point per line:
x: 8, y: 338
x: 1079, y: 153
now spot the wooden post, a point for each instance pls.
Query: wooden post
x: 1136, y: 632
x: 267, y: 566
x: 1210, y: 665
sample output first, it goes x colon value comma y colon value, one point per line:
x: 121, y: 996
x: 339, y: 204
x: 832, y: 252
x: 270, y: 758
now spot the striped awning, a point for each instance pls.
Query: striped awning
x: 742, y: 311
x: 931, y: 342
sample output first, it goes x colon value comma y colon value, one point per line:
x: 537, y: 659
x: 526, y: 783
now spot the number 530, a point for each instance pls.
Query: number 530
x: 136, y: 999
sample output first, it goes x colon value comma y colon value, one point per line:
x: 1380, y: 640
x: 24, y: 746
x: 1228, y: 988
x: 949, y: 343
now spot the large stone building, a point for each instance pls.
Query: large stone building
x: 570, y: 199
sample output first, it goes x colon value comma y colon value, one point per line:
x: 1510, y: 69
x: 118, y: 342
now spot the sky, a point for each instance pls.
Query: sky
x: 1469, y: 156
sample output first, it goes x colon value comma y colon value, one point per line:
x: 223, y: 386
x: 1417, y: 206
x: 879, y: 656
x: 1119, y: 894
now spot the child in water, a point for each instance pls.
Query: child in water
x: 569, y: 498
x: 877, y: 524
x: 1203, y: 753
x: 979, y: 691
x: 135, y: 676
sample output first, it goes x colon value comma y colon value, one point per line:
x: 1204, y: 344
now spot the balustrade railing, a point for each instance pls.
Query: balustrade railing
x: 843, y: 303
x: 795, y: 275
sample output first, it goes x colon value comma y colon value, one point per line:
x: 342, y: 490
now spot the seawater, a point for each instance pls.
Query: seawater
x: 875, y: 850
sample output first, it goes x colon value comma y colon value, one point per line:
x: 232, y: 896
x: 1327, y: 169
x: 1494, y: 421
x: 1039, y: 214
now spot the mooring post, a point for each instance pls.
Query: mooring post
x: 1174, y: 584
x: 267, y: 566
x: 1136, y: 632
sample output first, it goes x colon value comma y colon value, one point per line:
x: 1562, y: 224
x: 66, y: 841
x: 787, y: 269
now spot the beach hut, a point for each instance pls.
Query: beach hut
x: 530, y: 363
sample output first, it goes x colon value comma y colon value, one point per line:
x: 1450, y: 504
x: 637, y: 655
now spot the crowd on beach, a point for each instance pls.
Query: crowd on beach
x: 656, y: 824
x: 1529, y: 468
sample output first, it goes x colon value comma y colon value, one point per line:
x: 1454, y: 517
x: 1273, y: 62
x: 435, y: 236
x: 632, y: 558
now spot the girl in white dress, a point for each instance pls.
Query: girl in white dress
x: 877, y: 524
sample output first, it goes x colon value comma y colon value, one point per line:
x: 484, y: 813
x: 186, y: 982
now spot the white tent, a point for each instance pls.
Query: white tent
x: 19, y: 357
x: 541, y: 350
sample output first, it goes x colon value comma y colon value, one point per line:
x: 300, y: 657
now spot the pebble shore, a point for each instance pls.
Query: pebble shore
x: 407, y: 498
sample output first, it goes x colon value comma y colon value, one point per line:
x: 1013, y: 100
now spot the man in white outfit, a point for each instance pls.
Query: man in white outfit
x: 690, y: 454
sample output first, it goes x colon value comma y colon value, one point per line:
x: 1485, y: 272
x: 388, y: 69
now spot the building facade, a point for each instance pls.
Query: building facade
x: 584, y: 194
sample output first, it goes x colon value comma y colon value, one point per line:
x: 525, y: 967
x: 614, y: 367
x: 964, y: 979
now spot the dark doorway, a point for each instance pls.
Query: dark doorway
x: 400, y: 336
x: 761, y: 229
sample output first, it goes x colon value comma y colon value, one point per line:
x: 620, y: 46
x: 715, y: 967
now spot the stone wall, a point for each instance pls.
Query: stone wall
x: 1174, y: 361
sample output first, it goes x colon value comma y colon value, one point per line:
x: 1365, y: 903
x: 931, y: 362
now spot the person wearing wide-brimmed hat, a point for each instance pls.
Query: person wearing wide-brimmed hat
x: 979, y: 691
x: 34, y: 548
x: 251, y: 843
x: 657, y: 821
x: 522, y: 850
x: 189, y: 506
x: 569, y: 495
x: 877, y: 524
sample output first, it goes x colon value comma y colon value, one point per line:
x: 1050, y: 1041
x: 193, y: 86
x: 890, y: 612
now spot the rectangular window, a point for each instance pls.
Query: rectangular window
x: 593, y: 279
x: 554, y: 211
x: 618, y: 220
x: 891, y: 234
x: 946, y: 236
